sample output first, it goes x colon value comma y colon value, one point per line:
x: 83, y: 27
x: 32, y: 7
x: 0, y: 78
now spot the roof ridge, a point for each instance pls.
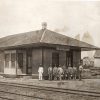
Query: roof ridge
x: 42, y: 35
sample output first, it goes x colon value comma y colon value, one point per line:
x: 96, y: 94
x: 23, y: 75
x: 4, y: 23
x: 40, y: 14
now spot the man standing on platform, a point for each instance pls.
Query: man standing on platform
x: 64, y: 71
x: 60, y: 72
x: 80, y: 72
x: 55, y: 72
x: 74, y: 72
x: 50, y: 72
x: 69, y: 72
x: 40, y: 71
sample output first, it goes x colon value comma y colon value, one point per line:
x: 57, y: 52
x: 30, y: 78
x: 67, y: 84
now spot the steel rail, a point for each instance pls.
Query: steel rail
x: 53, y: 89
x: 5, y: 98
x: 18, y: 94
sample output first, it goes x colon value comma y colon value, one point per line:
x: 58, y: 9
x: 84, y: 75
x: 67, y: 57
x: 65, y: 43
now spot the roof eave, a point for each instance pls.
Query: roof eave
x: 48, y: 45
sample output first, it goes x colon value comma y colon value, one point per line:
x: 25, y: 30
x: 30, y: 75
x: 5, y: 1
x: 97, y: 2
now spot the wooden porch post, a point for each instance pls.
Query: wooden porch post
x: 16, y: 63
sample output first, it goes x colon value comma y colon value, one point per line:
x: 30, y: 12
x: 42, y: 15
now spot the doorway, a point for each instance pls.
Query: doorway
x: 69, y: 58
x: 55, y: 59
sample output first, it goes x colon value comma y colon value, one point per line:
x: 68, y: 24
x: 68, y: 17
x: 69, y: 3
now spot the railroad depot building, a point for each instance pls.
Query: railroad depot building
x: 21, y: 54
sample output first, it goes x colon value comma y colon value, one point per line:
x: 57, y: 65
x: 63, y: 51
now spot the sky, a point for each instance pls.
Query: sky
x: 66, y: 17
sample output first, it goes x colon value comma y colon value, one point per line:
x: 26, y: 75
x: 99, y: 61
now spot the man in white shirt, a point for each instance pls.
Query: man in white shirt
x: 80, y: 72
x: 55, y: 72
x: 60, y: 72
x: 40, y: 71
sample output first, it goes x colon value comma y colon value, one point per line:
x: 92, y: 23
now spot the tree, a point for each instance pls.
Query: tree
x: 88, y: 62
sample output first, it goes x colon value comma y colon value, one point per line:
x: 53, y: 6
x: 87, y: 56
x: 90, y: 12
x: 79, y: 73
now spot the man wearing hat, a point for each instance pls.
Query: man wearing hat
x: 50, y: 72
x: 60, y: 72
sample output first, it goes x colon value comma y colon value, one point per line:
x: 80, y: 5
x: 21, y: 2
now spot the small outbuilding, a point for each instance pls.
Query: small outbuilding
x: 21, y: 54
x: 97, y: 58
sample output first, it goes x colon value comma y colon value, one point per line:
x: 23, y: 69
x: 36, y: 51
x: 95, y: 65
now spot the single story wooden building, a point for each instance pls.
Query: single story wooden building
x: 21, y: 54
x: 97, y: 58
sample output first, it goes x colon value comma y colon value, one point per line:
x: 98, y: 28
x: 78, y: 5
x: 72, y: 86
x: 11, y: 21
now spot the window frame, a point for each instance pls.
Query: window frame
x: 7, y: 60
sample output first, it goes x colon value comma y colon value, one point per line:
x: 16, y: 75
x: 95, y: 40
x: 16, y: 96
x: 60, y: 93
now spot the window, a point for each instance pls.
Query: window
x: 7, y: 59
x: 20, y: 60
x: 13, y: 59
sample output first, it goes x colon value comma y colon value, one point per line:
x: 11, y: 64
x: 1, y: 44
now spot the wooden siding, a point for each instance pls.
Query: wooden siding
x: 1, y: 61
x: 36, y: 60
x: 97, y: 62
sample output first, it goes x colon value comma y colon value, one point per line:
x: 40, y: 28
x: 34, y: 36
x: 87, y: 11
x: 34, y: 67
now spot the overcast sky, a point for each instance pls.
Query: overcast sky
x: 66, y: 17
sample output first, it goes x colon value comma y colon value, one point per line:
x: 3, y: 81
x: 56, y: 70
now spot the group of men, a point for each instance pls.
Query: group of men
x: 62, y: 72
x: 55, y: 73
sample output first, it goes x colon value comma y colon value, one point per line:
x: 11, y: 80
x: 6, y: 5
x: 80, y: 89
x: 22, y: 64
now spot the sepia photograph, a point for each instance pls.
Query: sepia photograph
x: 49, y: 49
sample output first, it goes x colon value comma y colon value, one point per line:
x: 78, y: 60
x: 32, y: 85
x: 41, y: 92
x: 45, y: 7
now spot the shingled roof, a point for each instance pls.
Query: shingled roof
x: 41, y: 36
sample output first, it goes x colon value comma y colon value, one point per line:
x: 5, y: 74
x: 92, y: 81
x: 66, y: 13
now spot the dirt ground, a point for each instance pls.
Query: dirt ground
x: 85, y: 84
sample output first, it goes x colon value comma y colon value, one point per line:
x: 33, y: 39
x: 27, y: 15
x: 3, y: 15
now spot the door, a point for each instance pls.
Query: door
x: 69, y: 58
x: 20, y: 63
x: 55, y: 59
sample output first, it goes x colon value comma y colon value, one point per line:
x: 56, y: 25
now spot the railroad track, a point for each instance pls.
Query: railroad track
x: 5, y: 98
x: 42, y: 88
x: 8, y: 95
x: 12, y: 96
